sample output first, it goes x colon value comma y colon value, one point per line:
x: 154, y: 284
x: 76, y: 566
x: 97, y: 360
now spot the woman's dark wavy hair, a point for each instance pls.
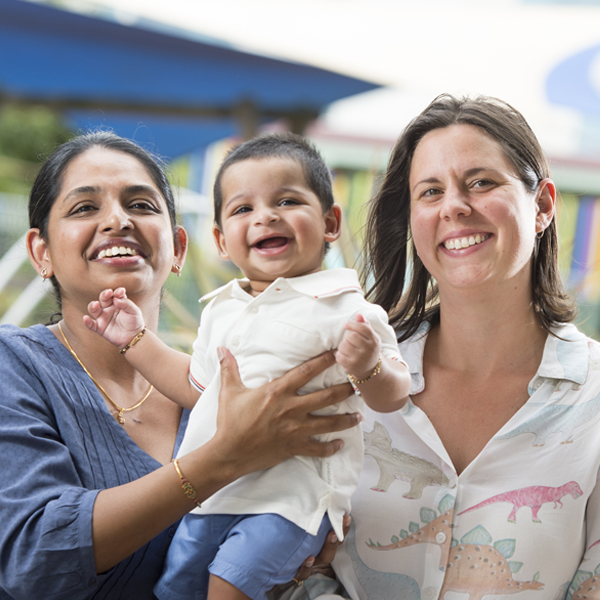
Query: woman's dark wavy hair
x: 49, y: 180
x: 388, y: 227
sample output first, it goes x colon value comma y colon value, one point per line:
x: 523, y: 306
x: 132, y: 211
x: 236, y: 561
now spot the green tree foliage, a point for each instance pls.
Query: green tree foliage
x: 27, y: 136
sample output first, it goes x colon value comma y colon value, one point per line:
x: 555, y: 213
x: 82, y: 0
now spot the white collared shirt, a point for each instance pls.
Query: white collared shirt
x: 522, y: 521
x: 290, y: 322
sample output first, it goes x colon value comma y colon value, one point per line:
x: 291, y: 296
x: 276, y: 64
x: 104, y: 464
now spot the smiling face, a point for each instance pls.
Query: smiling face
x: 472, y: 219
x: 108, y: 227
x: 272, y: 223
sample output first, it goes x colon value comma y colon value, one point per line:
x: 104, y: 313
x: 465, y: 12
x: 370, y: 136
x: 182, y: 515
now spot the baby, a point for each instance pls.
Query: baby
x: 274, y: 218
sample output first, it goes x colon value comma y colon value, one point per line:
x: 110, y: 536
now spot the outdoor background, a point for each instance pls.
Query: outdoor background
x: 189, y: 78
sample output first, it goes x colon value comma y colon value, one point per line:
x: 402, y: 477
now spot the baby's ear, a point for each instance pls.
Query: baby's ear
x: 333, y: 223
x: 220, y: 242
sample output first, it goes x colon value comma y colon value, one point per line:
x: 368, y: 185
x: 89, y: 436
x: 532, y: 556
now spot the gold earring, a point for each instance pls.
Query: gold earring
x: 177, y: 269
x: 44, y: 274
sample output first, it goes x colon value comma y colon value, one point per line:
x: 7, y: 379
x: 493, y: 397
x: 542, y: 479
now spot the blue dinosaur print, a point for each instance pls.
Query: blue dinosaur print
x: 555, y: 418
x: 379, y: 585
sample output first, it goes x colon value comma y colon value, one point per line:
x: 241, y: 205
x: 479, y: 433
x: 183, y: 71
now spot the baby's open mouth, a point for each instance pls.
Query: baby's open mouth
x: 273, y: 242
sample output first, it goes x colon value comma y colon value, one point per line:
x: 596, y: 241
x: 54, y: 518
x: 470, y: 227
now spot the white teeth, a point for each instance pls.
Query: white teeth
x: 117, y: 251
x: 465, y: 242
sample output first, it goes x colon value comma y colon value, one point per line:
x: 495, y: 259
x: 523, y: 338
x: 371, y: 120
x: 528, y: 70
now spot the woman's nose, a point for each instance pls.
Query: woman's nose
x: 455, y: 203
x: 116, y: 219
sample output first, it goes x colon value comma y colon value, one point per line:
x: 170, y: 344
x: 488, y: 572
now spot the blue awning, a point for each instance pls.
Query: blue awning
x: 120, y: 76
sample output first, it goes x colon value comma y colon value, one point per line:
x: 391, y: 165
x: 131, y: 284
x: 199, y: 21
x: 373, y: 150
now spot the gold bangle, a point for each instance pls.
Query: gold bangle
x: 134, y: 341
x: 188, y: 488
x: 375, y: 372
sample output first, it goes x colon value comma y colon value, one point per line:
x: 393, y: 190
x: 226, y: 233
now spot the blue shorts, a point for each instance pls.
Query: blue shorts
x: 252, y: 552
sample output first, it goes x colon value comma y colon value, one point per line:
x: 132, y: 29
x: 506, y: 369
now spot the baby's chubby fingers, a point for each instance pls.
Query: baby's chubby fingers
x: 360, y: 326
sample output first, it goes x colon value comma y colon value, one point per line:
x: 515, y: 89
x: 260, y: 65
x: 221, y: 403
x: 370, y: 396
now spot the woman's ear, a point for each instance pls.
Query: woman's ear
x: 333, y: 223
x: 220, y: 242
x: 38, y: 253
x: 546, y: 204
x: 181, y: 247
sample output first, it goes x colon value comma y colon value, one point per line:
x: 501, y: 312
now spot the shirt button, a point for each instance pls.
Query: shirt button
x: 429, y: 593
x: 537, y: 384
x: 235, y: 342
x: 440, y: 537
x: 277, y: 289
x: 253, y: 310
x: 92, y: 582
x: 171, y: 531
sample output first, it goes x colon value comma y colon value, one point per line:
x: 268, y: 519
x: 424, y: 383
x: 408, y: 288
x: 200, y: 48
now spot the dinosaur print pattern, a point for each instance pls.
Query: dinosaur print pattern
x: 394, y: 464
x: 555, y: 419
x: 438, y: 531
x: 480, y: 570
x: 534, y: 496
x: 379, y: 585
x: 588, y: 590
x: 474, y: 569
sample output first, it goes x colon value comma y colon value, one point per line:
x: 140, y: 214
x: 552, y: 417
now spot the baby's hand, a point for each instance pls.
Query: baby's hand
x: 115, y: 317
x: 360, y: 348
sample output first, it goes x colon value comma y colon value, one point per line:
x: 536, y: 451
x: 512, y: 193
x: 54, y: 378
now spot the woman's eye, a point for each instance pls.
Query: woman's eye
x: 430, y: 193
x: 142, y: 205
x: 482, y: 183
x: 81, y: 209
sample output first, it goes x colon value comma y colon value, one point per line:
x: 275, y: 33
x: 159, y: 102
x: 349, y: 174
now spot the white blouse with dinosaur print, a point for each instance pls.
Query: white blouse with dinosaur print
x: 523, y: 519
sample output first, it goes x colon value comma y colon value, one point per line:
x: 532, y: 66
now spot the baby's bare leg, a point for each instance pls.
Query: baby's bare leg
x: 219, y: 589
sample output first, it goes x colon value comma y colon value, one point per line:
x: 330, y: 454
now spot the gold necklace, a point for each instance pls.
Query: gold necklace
x: 120, y: 418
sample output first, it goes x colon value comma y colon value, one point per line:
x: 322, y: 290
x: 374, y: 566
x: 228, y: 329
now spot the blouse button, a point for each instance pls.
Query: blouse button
x: 429, y: 593
x: 235, y: 342
x: 440, y: 537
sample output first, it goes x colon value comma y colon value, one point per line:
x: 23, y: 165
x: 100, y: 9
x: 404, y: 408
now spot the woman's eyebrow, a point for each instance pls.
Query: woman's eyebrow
x: 142, y: 189
x: 85, y: 189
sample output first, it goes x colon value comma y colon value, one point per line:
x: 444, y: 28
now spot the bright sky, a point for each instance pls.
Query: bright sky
x: 420, y: 48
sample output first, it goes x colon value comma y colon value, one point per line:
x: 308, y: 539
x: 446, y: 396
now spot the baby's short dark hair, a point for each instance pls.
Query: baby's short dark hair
x: 280, y: 145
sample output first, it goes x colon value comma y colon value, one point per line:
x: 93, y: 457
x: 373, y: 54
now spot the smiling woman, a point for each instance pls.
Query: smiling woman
x: 88, y: 500
x: 486, y: 483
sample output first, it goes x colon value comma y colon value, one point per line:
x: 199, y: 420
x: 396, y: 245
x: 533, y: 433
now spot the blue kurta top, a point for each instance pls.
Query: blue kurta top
x: 59, y: 446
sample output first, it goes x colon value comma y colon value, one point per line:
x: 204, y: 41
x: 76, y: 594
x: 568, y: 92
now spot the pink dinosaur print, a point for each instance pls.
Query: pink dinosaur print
x: 534, y: 497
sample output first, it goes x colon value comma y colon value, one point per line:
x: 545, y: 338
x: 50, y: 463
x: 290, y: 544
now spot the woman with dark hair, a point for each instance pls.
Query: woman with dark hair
x: 485, y: 483
x: 88, y: 498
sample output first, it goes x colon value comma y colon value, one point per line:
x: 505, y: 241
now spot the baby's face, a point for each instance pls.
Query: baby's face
x: 272, y: 223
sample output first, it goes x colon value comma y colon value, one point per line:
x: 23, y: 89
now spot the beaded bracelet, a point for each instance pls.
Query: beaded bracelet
x: 188, y: 488
x: 375, y: 372
x: 134, y: 341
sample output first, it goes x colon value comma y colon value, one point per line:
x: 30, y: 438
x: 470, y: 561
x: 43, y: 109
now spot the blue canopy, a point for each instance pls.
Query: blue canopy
x: 178, y: 91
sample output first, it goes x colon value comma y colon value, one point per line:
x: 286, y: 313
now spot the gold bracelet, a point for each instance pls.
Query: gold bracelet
x: 188, y: 488
x: 375, y: 372
x: 134, y: 341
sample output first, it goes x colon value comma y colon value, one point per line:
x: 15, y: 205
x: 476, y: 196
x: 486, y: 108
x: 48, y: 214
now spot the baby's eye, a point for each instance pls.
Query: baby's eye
x: 288, y: 202
x: 240, y: 210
